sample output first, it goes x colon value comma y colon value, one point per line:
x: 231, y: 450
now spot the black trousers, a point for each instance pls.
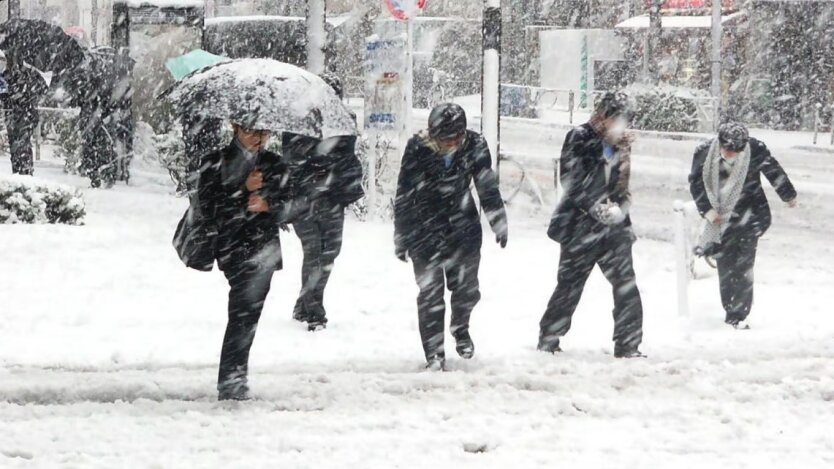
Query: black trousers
x: 458, y: 272
x: 611, y: 250
x: 249, y: 284
x: 321, y: 241
x: 20, y: 146
x: 735, y: 276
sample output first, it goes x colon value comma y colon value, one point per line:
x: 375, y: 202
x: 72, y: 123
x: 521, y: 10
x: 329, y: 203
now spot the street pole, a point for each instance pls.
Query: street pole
x: 716, y: 60
x: 491, y: 85
x: 94, y: 21
x: 653, y: 42
x: 408, y: 84
x: 316, y: 36
x: 14, y: 9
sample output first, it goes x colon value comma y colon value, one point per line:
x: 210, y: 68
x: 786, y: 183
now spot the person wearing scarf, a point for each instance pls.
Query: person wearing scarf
x: 438, y: 226
x: 725, y: 183
x: 592, y: 225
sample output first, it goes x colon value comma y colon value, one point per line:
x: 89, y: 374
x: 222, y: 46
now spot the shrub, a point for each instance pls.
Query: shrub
x: 24, y: 199
x: 664, y: 109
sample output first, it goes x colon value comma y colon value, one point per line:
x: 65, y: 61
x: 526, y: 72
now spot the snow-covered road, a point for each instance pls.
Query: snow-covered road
x: 108, y: 350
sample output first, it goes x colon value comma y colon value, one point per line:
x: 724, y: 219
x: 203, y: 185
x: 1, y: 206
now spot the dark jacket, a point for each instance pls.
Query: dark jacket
x: 751, y: 215
x: 326, y: 172
x: 25, y: 89
x: 434, y: 211
x: 223, y: 207
x: 582, y: 176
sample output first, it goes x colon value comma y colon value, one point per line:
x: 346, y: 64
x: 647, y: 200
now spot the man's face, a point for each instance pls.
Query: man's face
x: 728, y: 154
x: 252, y: 140
x: 451, y: 143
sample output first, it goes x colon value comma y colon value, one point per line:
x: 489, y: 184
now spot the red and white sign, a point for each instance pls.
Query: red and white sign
x: 405, y: 10
x: 690, y: 4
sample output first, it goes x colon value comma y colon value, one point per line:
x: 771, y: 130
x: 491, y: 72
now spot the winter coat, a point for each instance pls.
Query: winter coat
x: 583, y: 180
x: 241, y: 234
x: 326, y: 172
x: 751, y: 216
x: 25, y: 89
x: 434, y: 211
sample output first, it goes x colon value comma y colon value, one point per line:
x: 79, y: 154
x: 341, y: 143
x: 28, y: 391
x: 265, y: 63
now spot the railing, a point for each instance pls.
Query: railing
x: 38, y: 137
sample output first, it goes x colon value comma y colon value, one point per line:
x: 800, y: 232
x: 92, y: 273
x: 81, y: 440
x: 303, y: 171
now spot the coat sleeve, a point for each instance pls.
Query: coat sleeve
x: 348, y: 173
x: 486, y: 183
x: 696, y: 180
x: 404, y: 202
x: 574, y: 175
x: 774, y: 173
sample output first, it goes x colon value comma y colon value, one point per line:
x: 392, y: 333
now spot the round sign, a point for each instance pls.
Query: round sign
x: 405, y: 10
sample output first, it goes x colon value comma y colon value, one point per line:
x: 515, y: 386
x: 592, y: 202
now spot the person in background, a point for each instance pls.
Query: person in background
x: 593, y: 227
x: 328, y: 173
x: 725, y: 183
x: 438, y: 226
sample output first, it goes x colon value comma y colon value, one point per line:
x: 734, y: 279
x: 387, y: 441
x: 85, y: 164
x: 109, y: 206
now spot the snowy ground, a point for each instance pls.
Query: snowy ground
x: 109, y: 346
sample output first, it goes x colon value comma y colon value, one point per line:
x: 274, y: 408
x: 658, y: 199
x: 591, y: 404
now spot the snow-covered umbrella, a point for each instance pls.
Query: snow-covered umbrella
x: 42, y: 45
x: 264, y: 94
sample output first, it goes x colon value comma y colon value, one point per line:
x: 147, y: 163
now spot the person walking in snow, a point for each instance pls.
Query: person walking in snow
x: 25, y: 88
x: 725, y: 183
x: 593, y: 227
x: 329, y: 174
x: 243, y: 194
x: 438, y: 226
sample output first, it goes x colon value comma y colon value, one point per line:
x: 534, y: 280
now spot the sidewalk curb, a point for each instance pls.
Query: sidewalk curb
x: 813, y: 149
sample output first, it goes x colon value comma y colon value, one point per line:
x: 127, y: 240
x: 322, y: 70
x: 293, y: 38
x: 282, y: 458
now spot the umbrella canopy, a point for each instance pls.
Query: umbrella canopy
x: 42, y: 45
x: 264, y: 94
x: 188, y: 63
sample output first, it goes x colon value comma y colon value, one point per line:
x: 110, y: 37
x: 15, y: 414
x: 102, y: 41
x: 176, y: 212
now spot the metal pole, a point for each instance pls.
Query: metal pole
x: 682, y: 258
x: 14, y: 9
x: 817, y: 122
x: 94, y: 21
x: 316, y: 36
x: 491, y: 85
x: 653, y: 42
x: 408, y: 85
x: 717, y: 34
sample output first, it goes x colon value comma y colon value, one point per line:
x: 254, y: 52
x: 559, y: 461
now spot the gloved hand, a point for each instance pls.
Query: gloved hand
x: 401, y: 254
x: 501, y: 238
x: 608, y: 213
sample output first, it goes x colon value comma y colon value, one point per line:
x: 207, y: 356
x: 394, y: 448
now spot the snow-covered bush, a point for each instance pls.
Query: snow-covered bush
x: 664, y: 109
x: 24, y: 199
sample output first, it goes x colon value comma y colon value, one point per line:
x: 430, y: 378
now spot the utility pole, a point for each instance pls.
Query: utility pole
x: 14, y: 9
x: 717, y: 33
x: 652, y: 46
x: 491, y: 81
x: 316, y: 36
x: 94, y: 21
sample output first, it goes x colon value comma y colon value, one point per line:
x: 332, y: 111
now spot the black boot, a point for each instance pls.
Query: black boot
x: 464, y: 345
x: 627, y: 351
x: 548, y: 344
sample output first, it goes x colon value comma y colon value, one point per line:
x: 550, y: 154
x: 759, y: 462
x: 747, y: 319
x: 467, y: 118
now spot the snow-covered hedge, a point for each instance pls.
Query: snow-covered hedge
x: 24, y: 199
x: 665, y: 108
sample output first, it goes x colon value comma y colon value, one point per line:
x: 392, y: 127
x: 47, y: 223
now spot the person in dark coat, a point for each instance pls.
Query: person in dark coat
x: 201, y: 135
x: 25, y: 88
x: 438, y: 226
x: 593, y: 227
x: 243, y: 195
x: 725, y: 183
x: 328, y: 173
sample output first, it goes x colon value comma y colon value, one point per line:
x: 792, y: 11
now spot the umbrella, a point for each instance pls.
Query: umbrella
x: 42, y: 45
x: 185, y: 64
x: 264, y: 94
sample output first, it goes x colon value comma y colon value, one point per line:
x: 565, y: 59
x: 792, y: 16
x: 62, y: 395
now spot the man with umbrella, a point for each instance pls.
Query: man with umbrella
x: 243, y: 191
x: 329, y: 174
x: 438, y: 226
x: 31, y: 46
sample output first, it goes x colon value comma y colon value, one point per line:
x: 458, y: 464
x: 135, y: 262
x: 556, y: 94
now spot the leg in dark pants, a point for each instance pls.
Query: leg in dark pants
x: 20, y: 147
x: 735, y: 275
x: 576, y: 262
x: 618, y: 267
x: 462, y: 279
x: 431, y: 307
x: 249, y: 284
x: 321, y: 241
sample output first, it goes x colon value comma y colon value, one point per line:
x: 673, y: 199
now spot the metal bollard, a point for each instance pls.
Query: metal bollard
x: 817, y: 108
x: 571, y: 98
x: 38, y: 140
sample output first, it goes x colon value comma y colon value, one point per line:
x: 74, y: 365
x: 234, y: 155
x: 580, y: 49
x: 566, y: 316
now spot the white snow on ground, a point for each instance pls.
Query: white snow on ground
x: 109, y: 347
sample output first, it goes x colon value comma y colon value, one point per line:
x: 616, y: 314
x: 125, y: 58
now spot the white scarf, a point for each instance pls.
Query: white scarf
x: 723, y: 199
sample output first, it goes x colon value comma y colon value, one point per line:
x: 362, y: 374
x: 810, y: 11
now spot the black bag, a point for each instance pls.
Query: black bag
x: 195, y: 240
